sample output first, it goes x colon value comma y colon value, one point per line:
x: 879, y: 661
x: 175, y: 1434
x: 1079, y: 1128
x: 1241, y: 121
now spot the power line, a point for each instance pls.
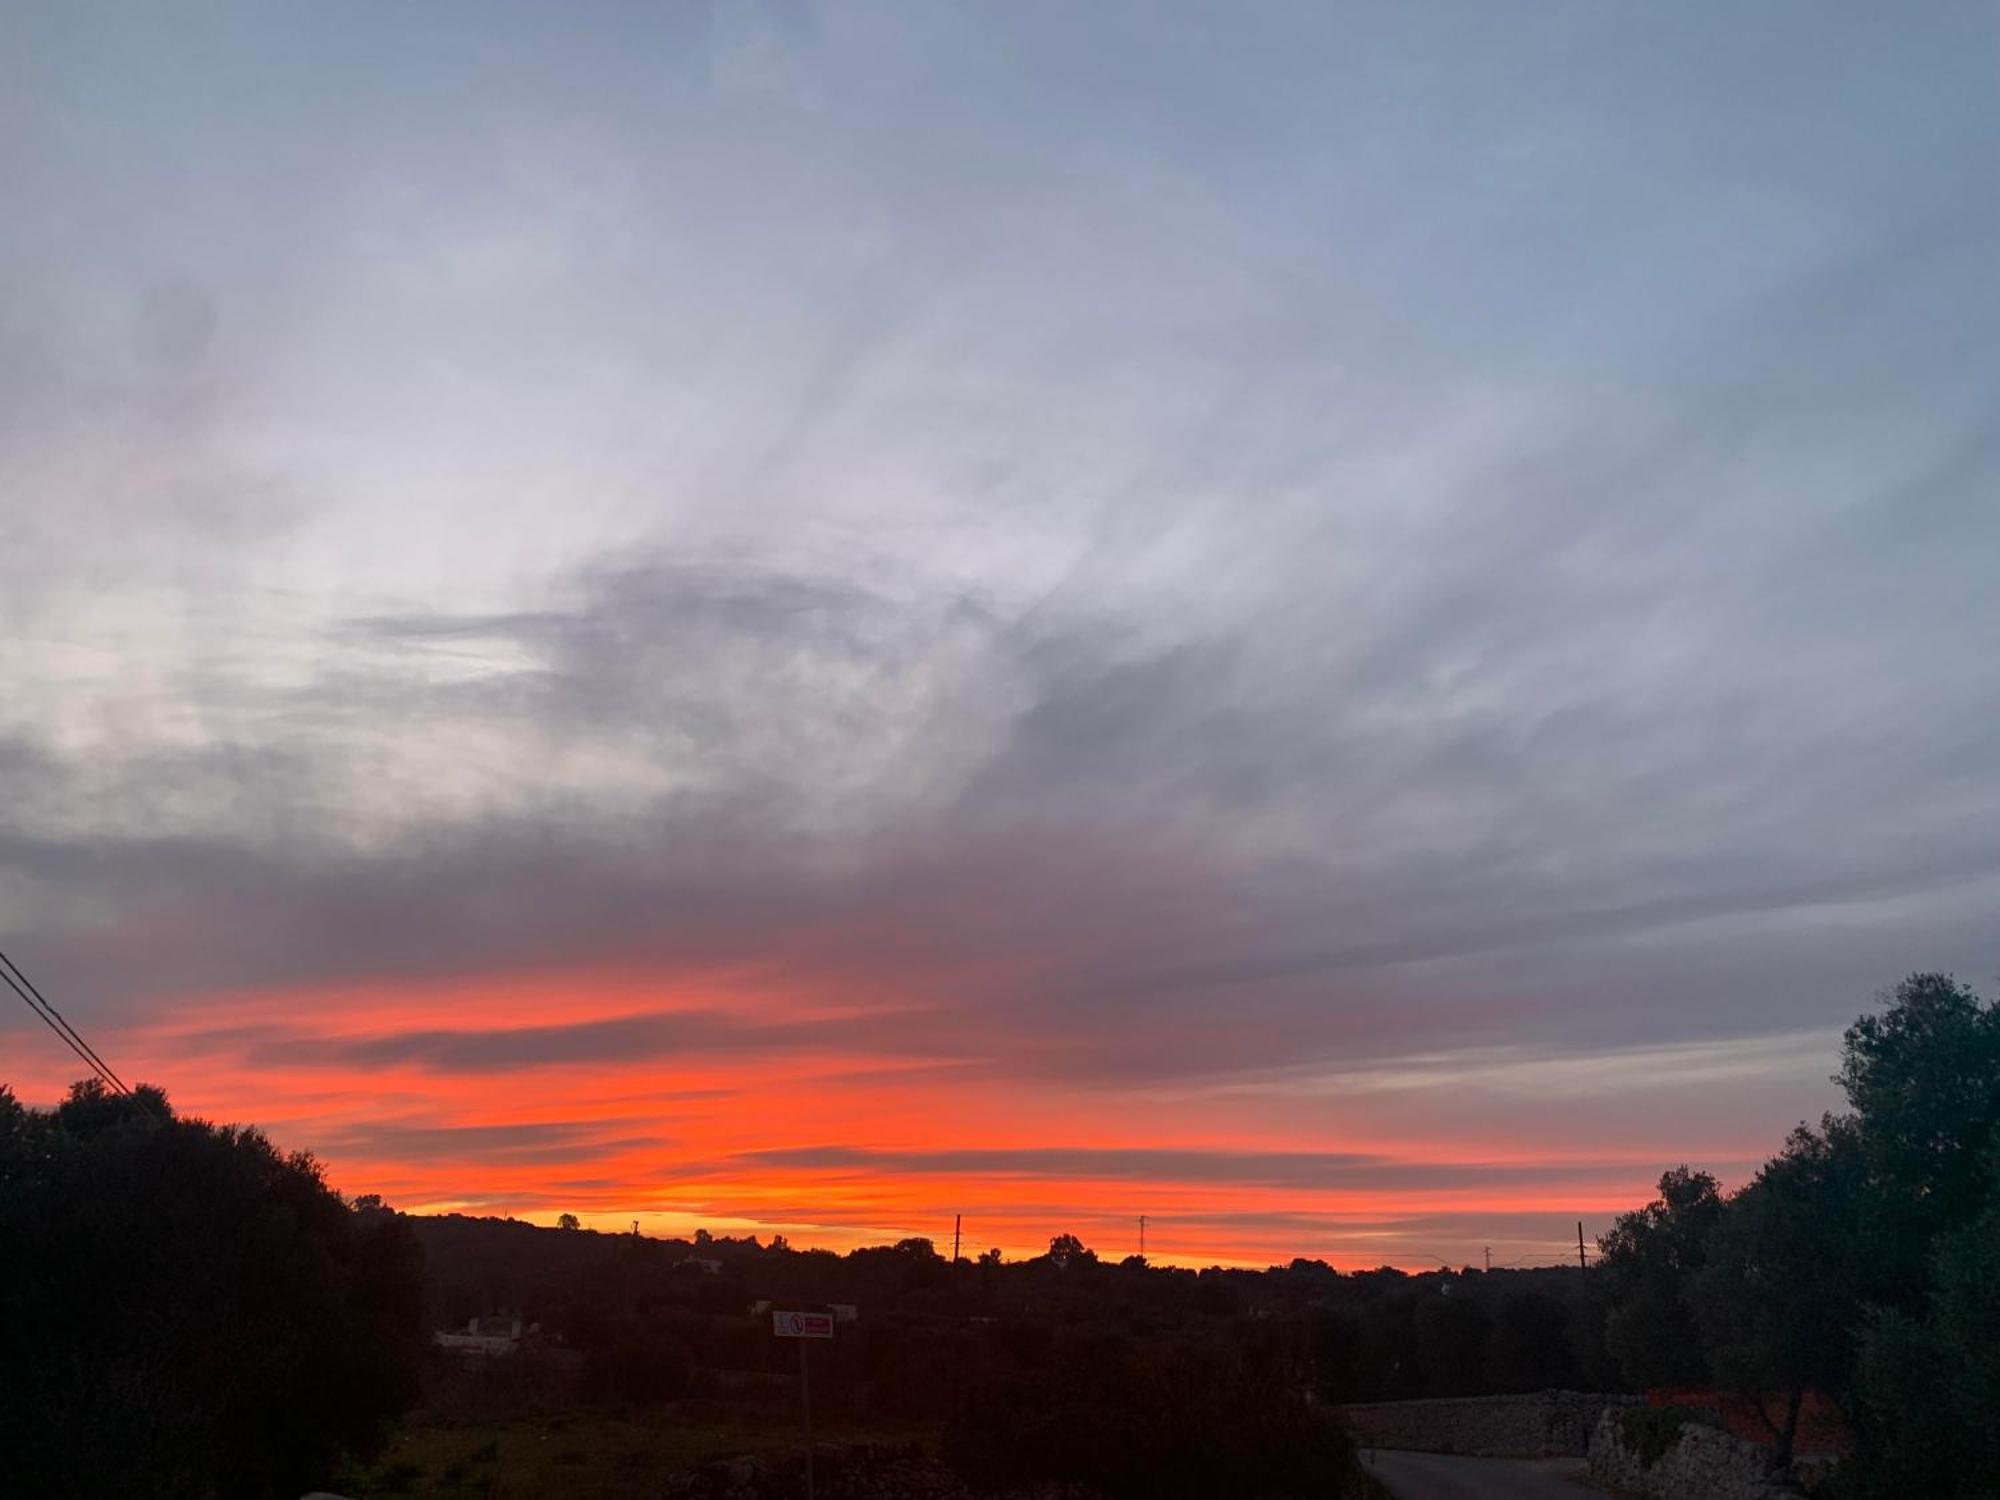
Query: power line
x: 1443, y: 1264
x: 11, y: 971
x: 37, y: 1002
x: 61, y: 1035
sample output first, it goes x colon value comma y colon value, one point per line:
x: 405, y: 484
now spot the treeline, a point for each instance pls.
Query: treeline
x: 1131, y: 1378
x: 1374, y: 1335
x: 1862, y: 1263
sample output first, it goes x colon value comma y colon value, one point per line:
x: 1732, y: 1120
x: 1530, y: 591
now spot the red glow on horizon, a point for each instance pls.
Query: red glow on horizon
x: 746, y: 1131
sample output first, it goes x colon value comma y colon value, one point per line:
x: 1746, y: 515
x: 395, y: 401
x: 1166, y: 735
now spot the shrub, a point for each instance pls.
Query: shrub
x: 1650, y: 1431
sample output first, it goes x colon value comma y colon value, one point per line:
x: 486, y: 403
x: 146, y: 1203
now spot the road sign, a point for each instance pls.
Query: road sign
x: 802, y: 1325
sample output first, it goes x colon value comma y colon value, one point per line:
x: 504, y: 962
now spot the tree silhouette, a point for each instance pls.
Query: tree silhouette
x: 1066, y: 1250
x: 1860, y: 1263
x: 184, y: 1310
x: 1650, y: 1259
x: 1924, y: 1080
x: 1930, y: 1386
x: 1788, y: 1274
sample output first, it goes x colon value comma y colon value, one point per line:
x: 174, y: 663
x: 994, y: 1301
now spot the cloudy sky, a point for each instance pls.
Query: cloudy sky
x: 1348, y: 626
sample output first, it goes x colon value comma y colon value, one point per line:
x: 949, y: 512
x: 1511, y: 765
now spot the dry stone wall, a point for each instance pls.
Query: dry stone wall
x: 1704, y: 1463
x: 849, y: 1471
x: 1541, y: 1425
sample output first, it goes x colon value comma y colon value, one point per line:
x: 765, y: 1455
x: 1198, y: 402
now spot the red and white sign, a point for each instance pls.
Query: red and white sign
x: 802, y: 1325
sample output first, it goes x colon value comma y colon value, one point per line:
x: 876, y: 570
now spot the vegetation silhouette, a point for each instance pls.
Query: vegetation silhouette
x: 1650, y: 1259
x: 186, y: 1311
x: 1136, y: 1417
x: 1862, y: 1263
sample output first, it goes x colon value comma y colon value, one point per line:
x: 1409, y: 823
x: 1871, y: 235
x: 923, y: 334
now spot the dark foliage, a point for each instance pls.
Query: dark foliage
x: 1650, y: 1431
x: 1791, y: 1265
x: 1132, y: 1419
x: 1531, y: 1343
x: 1649, y: 1262
x: 1860, y: 1263
x: 184, y: 1310
x: 632, y: 1366
x: 1930, y: 1385
x: 930, y: 1331
x: 1921, y: 1077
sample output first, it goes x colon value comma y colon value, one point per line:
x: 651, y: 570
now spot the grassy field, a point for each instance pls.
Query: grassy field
x: 590, y: 1457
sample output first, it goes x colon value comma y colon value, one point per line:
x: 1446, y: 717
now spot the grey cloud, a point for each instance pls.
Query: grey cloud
x: 1300, y: 1169
x: 1430, y: 553
x: 1077, y: 900
x: 504, y: 1049
x: 501, y: 1050
x: 1595, y: 924
x: 551, y: 1142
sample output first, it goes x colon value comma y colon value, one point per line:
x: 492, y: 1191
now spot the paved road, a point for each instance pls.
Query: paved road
x: 1440, y: 1476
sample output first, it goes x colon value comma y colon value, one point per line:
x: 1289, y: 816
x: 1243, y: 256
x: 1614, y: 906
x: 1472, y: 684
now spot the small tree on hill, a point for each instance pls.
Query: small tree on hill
x: 1066, y: 1250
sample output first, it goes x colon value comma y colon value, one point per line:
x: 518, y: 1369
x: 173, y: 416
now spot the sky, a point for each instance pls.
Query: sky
x: 1351, y: 627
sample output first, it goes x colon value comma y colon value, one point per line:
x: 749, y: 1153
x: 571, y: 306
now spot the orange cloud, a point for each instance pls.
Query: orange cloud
x: 717, y: 1102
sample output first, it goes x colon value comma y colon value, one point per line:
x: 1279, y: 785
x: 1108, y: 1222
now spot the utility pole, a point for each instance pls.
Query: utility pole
x: 1489, y: 1259
x: 957, y: 1223
x: 1581, y: 1263
x: 806, y: 1416
x: 1142, y: 1236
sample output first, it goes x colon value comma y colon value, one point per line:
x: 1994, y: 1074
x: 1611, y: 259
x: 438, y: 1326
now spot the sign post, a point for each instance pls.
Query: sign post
x: 803, y: 1326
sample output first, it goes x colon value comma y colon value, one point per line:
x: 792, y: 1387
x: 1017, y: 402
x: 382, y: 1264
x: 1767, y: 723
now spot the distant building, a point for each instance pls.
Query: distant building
x: 702, y: 1262
x: 486, y: 1336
